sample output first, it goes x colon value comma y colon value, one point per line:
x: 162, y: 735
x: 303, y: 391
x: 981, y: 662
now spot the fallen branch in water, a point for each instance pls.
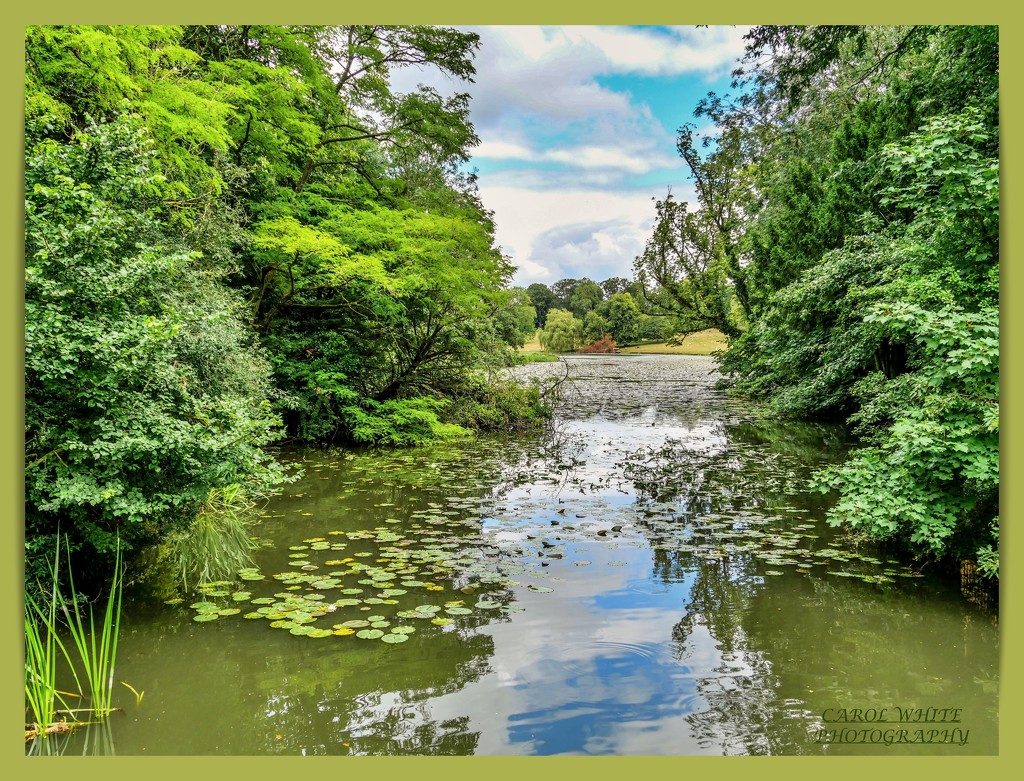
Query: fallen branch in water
x: 32, y: 731
x: 554, y: 386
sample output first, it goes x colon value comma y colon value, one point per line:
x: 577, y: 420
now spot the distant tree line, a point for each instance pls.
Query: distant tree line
x: 575, y: 312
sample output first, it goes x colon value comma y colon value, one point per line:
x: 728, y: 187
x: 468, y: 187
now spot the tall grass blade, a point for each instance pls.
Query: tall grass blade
x: 217, y: 544
x: 96, y: 651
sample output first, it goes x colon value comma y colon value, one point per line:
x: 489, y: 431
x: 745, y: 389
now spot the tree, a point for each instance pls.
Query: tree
x: 143, y: 390
x: 624, y: 318
x: 684, y: 271
x: 543, y: 300
x: 613, y: 285
x: 563, y: 290
x: 872, y: 268
x: 562, y: 332
x: 594, y: 326
x: 514, y: 316
x: 295, y: 230
x: 931, y: 470
x: 586, y: 295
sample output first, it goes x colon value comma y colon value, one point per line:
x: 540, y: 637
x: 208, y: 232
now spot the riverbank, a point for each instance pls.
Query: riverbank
x: 701, y: 343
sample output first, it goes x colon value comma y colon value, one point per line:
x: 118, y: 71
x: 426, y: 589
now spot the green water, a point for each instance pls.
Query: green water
x: 648, y: 577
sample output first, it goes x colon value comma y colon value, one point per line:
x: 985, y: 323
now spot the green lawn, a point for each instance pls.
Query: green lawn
x: 700, y: 343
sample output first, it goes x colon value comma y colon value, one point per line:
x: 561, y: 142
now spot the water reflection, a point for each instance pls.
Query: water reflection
x: 668, y: 587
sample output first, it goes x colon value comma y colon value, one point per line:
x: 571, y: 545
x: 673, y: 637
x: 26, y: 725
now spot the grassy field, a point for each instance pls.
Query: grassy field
x: 700, y: 343
x: 532, y: 346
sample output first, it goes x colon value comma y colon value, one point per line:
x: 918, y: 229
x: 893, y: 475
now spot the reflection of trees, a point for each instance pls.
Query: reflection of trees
x: 731, y: 477
x: 554, y: 456
x: 368, y: 700
x: 912, y: 647
x: 742, y: 713
x: 784, y: 655
x: 803, y: 442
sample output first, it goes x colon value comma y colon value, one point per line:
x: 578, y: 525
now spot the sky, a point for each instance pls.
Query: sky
x: 577, y: 127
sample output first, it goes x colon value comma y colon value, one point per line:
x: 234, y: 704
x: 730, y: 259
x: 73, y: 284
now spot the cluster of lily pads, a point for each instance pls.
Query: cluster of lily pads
x: 325, y: 586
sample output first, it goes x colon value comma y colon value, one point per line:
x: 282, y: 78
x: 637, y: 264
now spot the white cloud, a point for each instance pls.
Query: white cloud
x: 635, y: 160
x: 663, y: 51
x: 552, y: 234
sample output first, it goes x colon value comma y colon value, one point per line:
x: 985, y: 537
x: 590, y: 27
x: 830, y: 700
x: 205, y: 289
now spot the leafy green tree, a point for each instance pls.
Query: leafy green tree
x: 416, y: 329
x: 543, y: 300
x: 931, y: 472
x: 656, y: 328
x: 684, y: 271
x: 563, y: 290
x: 562, y: 332
x: 595, y: 326
x: 931, y: 478
x: 143, y: 390
x: 514, y: 316
x: 866, y: 181
x: 624, y: 318
x: 586, y: 295
x: 614, y: 285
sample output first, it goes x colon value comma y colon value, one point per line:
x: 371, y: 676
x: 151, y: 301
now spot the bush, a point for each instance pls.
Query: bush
x: 503, y: 405
x: 143, y: 390
x: 603, y: 345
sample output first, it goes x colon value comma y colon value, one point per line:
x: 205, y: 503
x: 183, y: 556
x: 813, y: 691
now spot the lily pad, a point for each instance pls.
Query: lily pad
x: 369, y: 634
x: 458, y: 611
x: 394, y: 638
x: 206, y: 617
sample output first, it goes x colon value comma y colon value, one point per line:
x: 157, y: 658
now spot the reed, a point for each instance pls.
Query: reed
x: 95, y: 642
x: 41, y: 693
x: 217, y: 544
x: 97, y: 647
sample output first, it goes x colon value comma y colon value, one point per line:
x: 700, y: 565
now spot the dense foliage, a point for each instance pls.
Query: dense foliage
x: 235, y: 233
x: 846, y: 238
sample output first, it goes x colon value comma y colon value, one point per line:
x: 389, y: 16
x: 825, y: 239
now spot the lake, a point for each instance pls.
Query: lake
x: 650, y: 576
